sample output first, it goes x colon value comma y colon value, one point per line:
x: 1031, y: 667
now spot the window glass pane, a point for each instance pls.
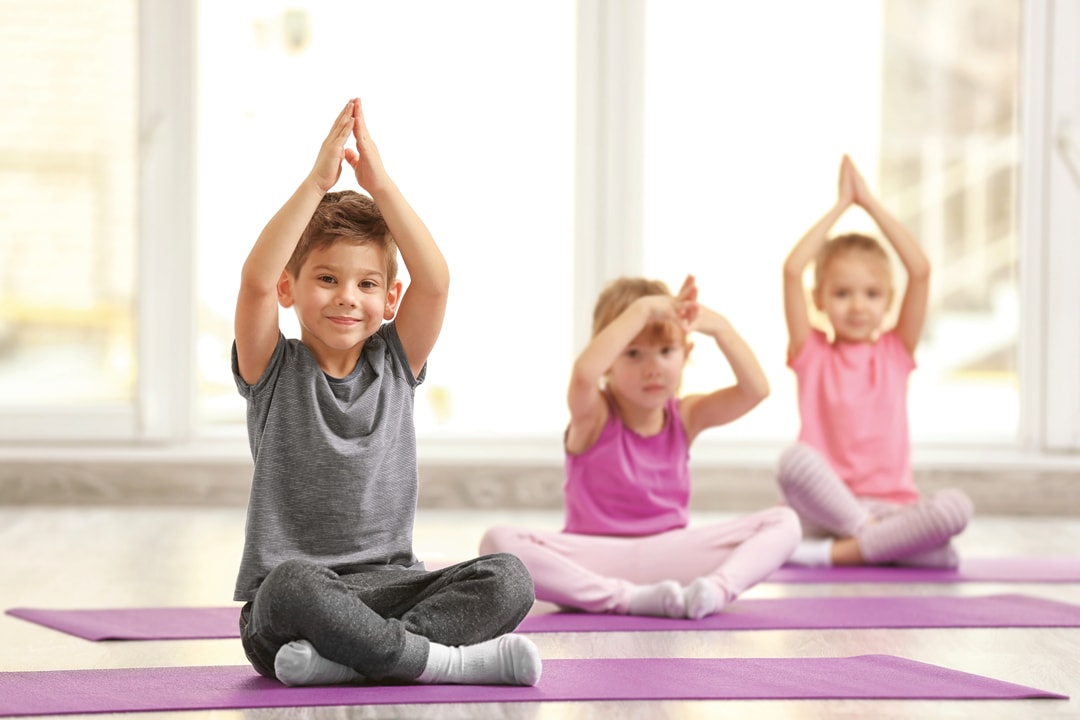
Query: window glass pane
x: 67, y: 202
x: 742, y: 153
x: 471, y: 105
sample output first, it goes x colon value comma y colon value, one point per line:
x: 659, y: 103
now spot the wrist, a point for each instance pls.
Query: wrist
x: 314, y: 186
x: 383, y: 189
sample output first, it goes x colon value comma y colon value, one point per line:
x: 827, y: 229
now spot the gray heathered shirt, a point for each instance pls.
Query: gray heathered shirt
x: 335, y: 477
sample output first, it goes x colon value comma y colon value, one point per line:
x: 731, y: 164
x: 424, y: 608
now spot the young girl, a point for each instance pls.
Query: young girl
x: 625, y: 547
x: 849, y: 477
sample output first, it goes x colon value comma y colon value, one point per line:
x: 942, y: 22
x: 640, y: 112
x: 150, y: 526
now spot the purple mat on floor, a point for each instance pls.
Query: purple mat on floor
x: 163, y: 689
x: 802, y: 613
x: 1048, y: 569
x: 912, y: 611
x: 164, y: 623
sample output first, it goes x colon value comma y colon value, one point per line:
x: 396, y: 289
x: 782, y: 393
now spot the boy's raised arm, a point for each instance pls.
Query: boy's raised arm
x: 256, y: 319
x: 423, y: 307
x: 909, y: 322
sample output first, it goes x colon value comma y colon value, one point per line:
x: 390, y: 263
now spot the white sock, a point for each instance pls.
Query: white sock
x: 664, y: 599
x: 815, y: 551
x: 297, y: 663
x: 505, y: 660
x: 703, y: 598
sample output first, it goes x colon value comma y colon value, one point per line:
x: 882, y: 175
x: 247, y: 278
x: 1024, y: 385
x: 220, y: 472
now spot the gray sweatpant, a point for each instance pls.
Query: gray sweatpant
x: 380, y: 622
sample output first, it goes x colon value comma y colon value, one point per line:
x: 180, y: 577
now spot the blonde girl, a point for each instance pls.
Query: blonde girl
x: 849, y: 476
x: 626, y: 546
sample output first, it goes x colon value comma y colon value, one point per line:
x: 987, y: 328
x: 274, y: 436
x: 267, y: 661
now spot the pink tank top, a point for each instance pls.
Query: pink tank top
x: 853, y: 406
x: 626, y: 484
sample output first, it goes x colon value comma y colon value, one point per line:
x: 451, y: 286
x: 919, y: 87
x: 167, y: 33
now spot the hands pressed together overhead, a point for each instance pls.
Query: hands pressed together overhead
x: 364, y: 159
x: 852, y: 189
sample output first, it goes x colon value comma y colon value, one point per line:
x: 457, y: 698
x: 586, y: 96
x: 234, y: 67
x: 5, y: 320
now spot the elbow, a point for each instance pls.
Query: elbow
x: 793, y: 272
x: 920, y: 273
x: 441, y: 285
x: 761, y: 390
x: 757, y: 391
x: 581, y: 379
x: 442, y: 281
x: 253, y: 283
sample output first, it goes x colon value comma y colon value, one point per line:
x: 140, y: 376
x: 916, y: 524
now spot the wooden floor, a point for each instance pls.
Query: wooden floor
x: 94, y: 557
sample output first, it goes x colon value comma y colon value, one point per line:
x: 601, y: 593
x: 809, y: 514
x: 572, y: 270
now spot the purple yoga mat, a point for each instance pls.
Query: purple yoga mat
x: 187, y: 623
x: 1047, y: 569
x: 163, y: 623
x: 801, y: 613
x: 164, y: 689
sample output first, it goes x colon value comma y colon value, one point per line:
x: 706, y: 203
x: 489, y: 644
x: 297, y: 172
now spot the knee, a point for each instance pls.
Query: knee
x: 509, y: 581
x: 288, y: 587
x: 792, y: 465
x: 790, y: 527
x: 498, y: 539
x: 515, y: 579
x: 953, y: 509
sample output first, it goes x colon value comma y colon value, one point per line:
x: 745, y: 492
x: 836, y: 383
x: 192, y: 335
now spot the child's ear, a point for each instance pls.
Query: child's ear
x: 686, y: 354
x: 816, y: 295
x: 393, y: 297
x: 284, y: 290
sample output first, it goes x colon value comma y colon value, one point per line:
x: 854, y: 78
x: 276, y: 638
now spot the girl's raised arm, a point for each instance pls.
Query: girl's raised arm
x: 912, y: 316
x: 796, y: 313
x: 588, y: 409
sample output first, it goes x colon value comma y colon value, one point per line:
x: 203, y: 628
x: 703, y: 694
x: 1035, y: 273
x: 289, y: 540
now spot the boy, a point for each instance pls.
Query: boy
x: 332, y: 590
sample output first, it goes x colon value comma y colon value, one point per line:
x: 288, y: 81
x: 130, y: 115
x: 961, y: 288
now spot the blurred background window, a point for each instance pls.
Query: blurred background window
x: 68, y: 178
x: 749, y: 109
x: 472, y: 108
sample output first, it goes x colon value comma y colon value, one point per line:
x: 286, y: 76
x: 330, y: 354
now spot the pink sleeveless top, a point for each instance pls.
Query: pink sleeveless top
x: 853, y: 405
x: 626, y: 484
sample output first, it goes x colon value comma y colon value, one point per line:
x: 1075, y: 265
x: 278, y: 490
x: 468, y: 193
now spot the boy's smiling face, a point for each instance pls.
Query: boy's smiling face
x: 341, y: 297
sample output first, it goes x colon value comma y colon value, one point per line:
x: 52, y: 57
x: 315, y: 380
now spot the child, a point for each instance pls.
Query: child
x: 332, y: 589
x: 849, y: 477
x: 625, y: 547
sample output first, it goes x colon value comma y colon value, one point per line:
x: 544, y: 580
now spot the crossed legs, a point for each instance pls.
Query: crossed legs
x: 689, y: 572
x: 868, y: 532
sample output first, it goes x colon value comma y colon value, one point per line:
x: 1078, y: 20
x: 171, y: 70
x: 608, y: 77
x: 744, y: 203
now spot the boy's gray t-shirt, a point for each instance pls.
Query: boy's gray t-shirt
x: 335, y: 478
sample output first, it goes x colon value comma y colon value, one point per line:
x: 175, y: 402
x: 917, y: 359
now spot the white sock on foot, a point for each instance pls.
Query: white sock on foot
x: 703, y: 598
x: 663, y: 599
x: 505, y: 660
x: 816, y: 551
x: 297, y: 663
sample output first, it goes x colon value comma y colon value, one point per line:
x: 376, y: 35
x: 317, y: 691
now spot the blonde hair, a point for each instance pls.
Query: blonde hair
x: 620, y: 294
x: 848, y: 244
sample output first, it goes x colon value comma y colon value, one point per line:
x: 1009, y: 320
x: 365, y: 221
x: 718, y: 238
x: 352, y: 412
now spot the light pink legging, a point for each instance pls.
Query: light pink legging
x: 918, y: 533
x: 598, y: 573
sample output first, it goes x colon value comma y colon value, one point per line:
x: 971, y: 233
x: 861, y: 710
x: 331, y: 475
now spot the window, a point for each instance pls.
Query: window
x: 473, y: 113
x: 68, y: 176
x: 549, y: 146
x: 746, y: 121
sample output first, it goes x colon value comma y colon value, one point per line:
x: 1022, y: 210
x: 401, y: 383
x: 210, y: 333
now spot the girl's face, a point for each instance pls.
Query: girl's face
x: 855, y: 295
x: 341, y: 296
x: 648, y: 372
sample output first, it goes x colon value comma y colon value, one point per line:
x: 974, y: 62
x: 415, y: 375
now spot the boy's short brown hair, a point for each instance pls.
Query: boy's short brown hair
x: 346, y: 216
x: 620, y: 294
